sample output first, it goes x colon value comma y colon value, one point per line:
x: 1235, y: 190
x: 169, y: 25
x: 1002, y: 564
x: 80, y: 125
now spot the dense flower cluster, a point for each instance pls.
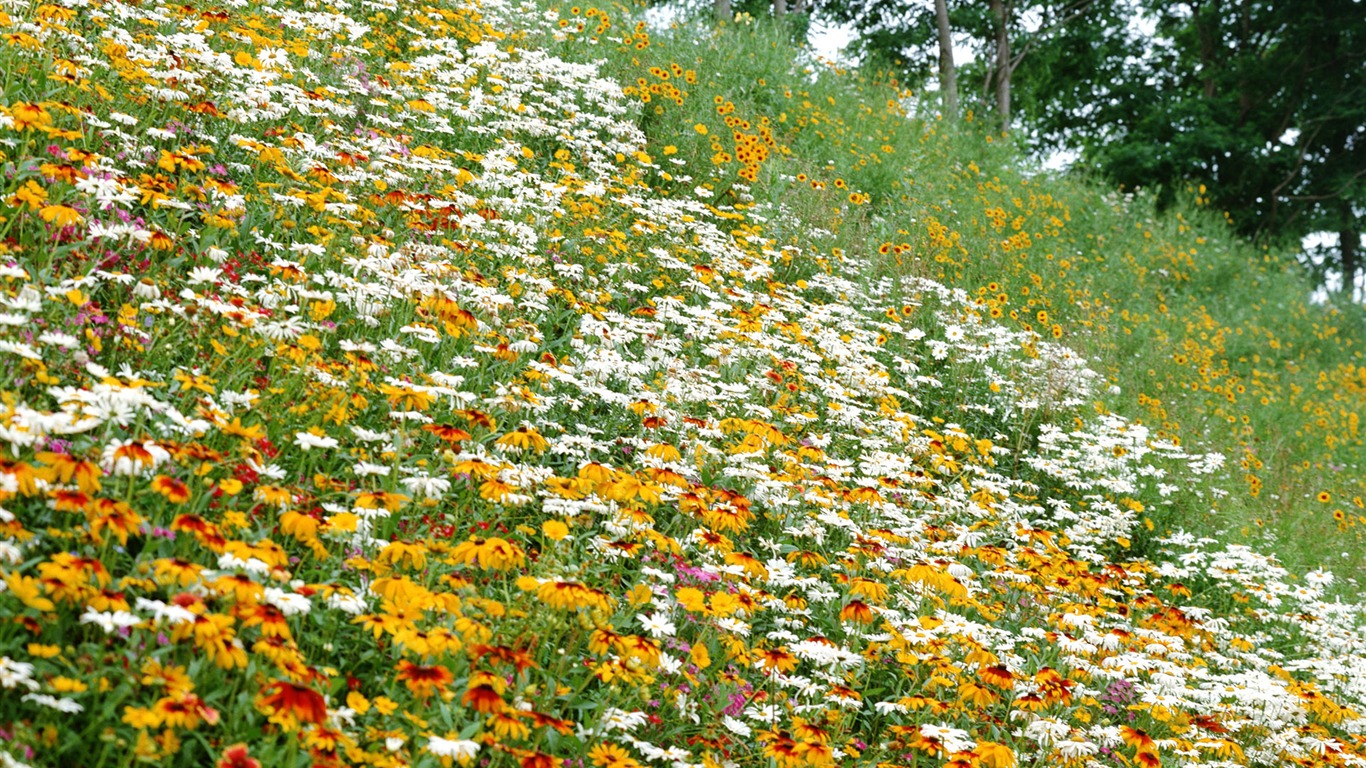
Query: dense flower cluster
x: 375, y: 396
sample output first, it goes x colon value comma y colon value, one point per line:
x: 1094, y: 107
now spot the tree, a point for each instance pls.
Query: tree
x: 948, y: 75
x: 911, y: 35
x: 1001, y: 66
x: 1263, y: 103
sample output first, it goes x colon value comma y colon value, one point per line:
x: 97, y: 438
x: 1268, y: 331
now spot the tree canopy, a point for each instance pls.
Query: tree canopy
x: 1261, y: 104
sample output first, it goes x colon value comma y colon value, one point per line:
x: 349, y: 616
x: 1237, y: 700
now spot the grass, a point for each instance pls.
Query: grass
x: 1205, y: 338
x: 385, y: 386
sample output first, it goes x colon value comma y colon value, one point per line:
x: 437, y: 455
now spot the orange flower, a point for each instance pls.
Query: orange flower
x: 447, y: 432
x: 478, y: 418
x: 206, y: 532
x: 484, y: 693
x: 778, y: 659
x: 503, y: 654
x: 271, y: 619
x: 857, y: 611
x: 236, y: 757
x: 184, y: 711
x: 68, y: 501
x: 783, y: 750
x: 287, y: 705
x: 998, y: 676
x: 424, y: 681
x: 539, y: 760
x: 114, y: 516
x: 174, y: 490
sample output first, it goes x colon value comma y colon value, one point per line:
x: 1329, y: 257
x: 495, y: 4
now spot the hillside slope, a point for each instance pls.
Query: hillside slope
x: 1209, y: 340
x: 383, y: 391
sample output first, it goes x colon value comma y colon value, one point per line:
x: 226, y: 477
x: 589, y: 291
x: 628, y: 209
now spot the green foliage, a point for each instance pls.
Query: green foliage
x: 1178, y: 311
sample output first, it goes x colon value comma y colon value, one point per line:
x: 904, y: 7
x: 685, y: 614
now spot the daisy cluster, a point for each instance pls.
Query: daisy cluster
x: 374, y: 395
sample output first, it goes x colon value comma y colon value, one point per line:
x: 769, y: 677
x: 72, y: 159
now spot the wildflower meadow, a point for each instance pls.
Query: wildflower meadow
x: 492, y: 383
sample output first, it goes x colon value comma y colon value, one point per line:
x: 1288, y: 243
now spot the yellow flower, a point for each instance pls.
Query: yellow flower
x: 572, y: 596
x: 692, y: 599
x: 140, y: 717
x: 993, y: 755
x: 397, y: 554
x: 700, y: 656
x: 27, y: 116
x: 609, y: 755
x: 554, y: 530
x: 524, y: 438
x: 62, y: 684
x: 29, y: 590
x: 30, y: 194
x: 43, y: 651
x: 506, y: 724
x: 60, y: 215
x: 489, y: 554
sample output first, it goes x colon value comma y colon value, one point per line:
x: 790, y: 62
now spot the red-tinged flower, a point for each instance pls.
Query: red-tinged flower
x: 64, y: 500
x: 287, y: 705
x: 777, y: 658
x: 504, y: 655
x: 114, y: 516
x: 857, y: 611
x: 541, y: 720
x: 174, y: 490
x: 184, y: 711
x: 206, y: 532
x: 447, y: 432
x: 236, y: 756
x: 1137, y: 738
x: 479, y: 418
x: 424, y: 681
x: 998, y: 676
x: 484, y: 693
x: 539, y: 760
x: 783, y: 750
x: 271, y: 619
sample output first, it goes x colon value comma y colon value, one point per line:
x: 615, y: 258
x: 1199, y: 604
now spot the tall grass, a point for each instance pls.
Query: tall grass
x: 1205, y: 338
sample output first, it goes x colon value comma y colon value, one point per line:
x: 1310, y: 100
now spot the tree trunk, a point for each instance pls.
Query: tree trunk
x: 1208, y: 35
x: 1349, y: 240
x: 948, y: 76
x: 780, y: 8
x: 1000, y: 10
x: 799, y: 6
x: 723, y: 11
